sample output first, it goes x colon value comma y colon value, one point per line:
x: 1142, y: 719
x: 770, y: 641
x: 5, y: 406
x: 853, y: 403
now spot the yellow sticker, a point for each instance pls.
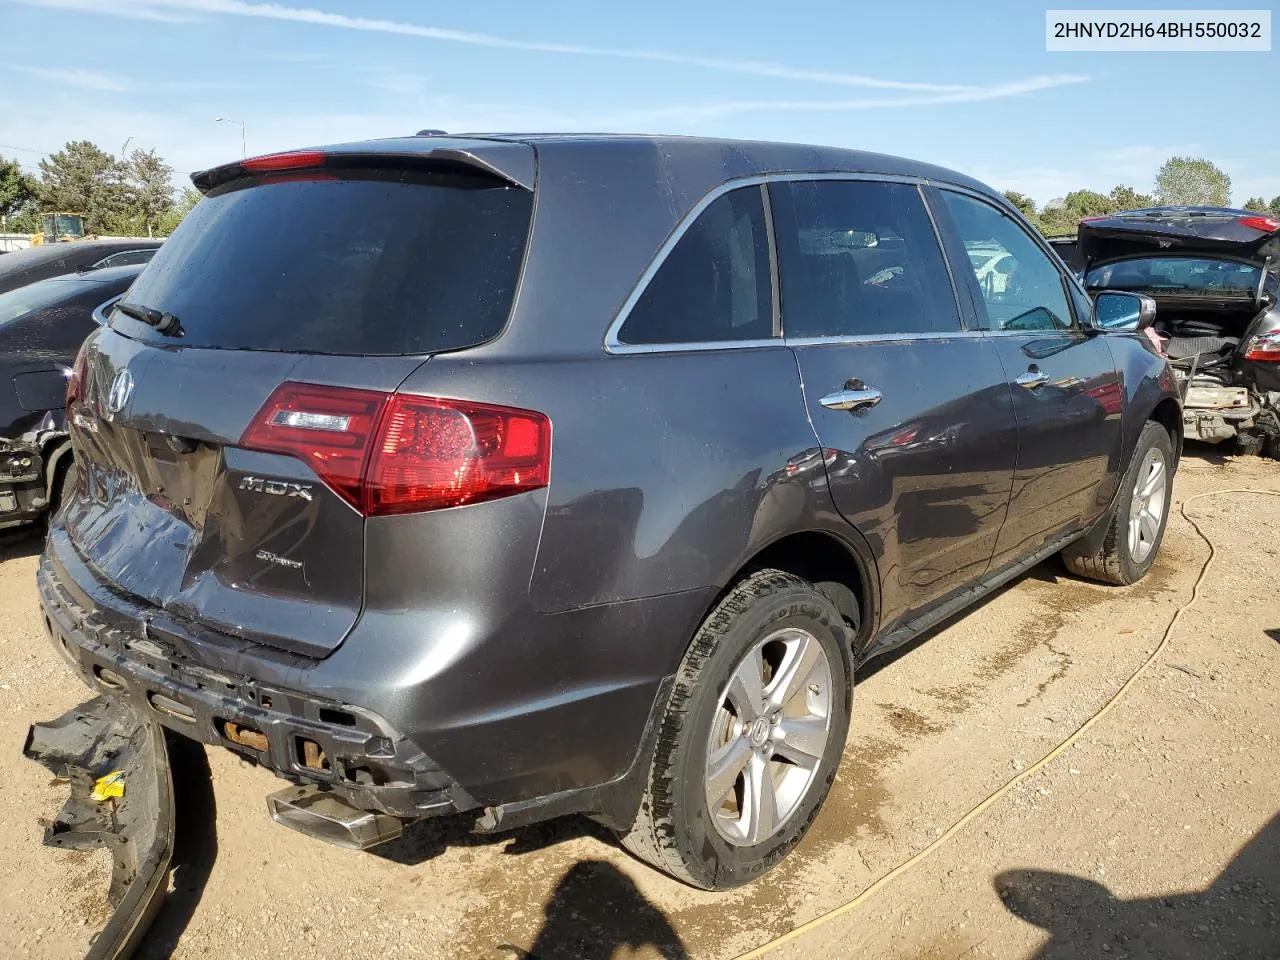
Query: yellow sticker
x: 112, y: 785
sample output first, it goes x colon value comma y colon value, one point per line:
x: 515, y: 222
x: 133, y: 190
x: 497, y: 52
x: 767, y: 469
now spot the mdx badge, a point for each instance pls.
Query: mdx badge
x: 277, y: 488
x: 118, y: 395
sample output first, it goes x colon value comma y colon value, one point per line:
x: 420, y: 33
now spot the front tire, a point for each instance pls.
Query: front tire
x: 751, y: 737
x: 1137, y: 529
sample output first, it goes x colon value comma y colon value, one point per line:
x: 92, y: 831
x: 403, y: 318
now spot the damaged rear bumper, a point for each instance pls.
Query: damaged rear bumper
x: 92, y: 741
x: 341, y: 748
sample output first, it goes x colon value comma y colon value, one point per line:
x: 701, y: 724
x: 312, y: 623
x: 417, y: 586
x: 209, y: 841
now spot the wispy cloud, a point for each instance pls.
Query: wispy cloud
x: 155, y: 9
x: 160, y: 12
x: 76, y: 77
x: 693, y: 113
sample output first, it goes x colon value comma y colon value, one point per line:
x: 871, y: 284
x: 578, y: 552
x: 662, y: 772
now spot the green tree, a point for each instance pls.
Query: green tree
x: 1275, y: 206
x: 1026, y: 206
x: 174, y: 215
x: 149, y: 188
x: 1194, y: 182
x: 1257, y: 204
x: 83, y: 178
x: 1127, y: 198
x: 17, y: 194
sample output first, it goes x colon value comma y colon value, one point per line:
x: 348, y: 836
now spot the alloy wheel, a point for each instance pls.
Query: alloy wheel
x: 769, y: 736
x: 1146, y: 511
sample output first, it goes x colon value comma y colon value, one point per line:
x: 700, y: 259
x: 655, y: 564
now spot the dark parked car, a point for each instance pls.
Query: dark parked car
x: 1069, y: 250
x: 1213, y: 273
x: 53, y: 259
x: 42, y: 326
x: 460, y: 502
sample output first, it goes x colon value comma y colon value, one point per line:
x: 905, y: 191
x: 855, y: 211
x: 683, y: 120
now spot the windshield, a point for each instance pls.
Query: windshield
x: 1177, y: 276
x: 357, y: 263
x: 68, y: 225
x: 34, y: 296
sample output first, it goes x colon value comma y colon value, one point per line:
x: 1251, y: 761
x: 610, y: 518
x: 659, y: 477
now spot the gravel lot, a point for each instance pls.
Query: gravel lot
x: 1154, y: 836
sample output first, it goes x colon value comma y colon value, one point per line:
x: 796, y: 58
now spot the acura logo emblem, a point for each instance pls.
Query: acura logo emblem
x: 118, y: 395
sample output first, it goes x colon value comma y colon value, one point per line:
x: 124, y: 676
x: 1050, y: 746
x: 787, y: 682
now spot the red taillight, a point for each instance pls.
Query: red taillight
x: 75, y: 382
x: 297, y: 160
x: 1265, y: 346
x: 397, y: 453
x: 1265, y: 224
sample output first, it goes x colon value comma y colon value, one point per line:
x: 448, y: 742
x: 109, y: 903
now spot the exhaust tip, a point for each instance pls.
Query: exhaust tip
x: 321, y: 814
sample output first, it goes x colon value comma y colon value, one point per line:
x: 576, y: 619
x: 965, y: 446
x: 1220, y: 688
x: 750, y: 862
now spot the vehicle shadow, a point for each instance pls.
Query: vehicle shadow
x: 1236, y: 916
x: 1273, y: 633
x: 427, y: 839
x: 195, y: 847
x: 18, y: 542
x: 1219, y: 454
x: 595, y: 910
x: 1048, y: 571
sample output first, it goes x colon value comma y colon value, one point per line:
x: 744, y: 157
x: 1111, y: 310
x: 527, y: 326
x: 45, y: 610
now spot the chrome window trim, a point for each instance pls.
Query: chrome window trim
x: 934, y: 335
x: 694, y: 346
x: 1075, y: 331
x: 613, y: 345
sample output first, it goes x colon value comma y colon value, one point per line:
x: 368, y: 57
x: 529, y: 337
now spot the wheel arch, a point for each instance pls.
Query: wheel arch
x: 842, y: 569
x: 1168, y: 413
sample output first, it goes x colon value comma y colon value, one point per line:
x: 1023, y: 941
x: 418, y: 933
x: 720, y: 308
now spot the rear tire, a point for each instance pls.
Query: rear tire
x: 1137, y: 529
x: 1249, y: 444
x: 757, y: 718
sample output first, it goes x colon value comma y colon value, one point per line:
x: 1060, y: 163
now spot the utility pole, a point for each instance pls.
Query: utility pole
x: 240, y: 124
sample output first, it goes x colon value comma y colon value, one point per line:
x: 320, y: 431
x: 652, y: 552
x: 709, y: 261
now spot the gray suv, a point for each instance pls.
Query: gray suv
x: 523, y: 476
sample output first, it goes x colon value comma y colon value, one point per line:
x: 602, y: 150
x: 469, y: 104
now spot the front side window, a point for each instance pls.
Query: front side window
x: 714, y: 285
x: 1020, y: 285
x: 859, y: 258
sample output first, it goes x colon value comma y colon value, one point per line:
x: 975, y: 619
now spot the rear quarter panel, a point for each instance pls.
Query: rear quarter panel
x: 668, y: 470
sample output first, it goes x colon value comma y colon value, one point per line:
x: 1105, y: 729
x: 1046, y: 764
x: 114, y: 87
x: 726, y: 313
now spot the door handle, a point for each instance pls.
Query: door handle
x: 1035, y: 377
x: 854, y: 396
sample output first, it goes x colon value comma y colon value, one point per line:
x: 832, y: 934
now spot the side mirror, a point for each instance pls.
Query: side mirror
x: 1123, y: 312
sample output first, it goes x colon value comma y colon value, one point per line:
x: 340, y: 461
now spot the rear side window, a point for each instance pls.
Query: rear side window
x: 714, y: 285
x: 858, y: 258
x: 362, y: 262
x: 125, y: 258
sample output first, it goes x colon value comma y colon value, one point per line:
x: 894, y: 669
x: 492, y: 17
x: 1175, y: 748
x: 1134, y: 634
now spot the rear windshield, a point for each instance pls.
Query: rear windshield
x: 1178, y: 276
x: 362, y: 262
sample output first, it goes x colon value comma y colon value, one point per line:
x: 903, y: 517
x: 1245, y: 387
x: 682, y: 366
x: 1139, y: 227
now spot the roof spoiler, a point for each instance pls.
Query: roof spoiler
x: 512, y: 163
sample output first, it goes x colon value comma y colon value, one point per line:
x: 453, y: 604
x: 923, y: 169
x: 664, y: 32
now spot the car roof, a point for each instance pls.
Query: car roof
x: 606, y: 205
x: 511, y: 155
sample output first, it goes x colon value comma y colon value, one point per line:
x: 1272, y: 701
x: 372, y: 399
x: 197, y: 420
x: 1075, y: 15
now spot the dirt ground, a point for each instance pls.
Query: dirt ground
x: 1154, y: 836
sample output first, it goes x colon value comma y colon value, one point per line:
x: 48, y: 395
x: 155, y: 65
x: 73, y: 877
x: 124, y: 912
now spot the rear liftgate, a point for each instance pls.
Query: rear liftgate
x: 117, y: 766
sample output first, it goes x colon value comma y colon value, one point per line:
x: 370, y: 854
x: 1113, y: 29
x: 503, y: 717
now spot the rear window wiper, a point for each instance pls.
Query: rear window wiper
x: 165, y: 323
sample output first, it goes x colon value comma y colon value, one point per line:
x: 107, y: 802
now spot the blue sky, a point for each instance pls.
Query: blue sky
x: 968, y: 85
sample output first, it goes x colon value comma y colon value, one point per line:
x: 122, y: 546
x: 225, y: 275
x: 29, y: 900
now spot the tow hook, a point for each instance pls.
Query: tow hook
x: 116, y: 763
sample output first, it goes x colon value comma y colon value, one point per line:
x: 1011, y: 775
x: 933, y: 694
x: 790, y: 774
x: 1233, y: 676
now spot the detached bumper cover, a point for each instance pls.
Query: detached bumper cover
x: 137, y: 828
